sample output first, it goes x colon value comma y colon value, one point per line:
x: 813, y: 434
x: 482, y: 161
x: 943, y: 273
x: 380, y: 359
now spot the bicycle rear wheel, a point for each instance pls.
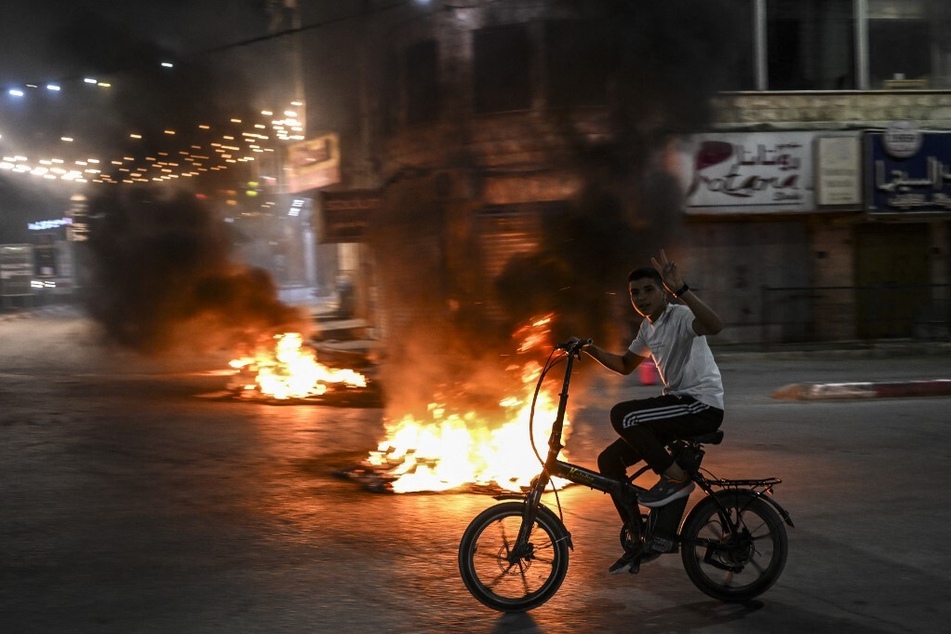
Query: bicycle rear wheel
x: 730, y: 565
x: 502, y: 580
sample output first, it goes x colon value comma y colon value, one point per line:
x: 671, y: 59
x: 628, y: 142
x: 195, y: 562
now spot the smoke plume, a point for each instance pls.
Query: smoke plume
x: 160, y: 276
x: 449, y: 331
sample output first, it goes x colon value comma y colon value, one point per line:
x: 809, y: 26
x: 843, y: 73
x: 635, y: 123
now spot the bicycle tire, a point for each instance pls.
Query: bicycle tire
x: 734, y: 567
x: 513, y: 586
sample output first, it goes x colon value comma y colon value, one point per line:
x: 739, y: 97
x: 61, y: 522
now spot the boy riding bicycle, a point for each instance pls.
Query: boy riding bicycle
x: 673, y: 335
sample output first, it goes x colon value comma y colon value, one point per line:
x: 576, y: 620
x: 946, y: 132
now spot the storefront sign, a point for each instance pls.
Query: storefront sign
x: 902, y: 139
x: 839, y: 171
x: 346, y: 214
x: 313, y: 163
x: 766, y: 172
x: 916, y: 182
x: 16, y: 269
x: 46, y: 225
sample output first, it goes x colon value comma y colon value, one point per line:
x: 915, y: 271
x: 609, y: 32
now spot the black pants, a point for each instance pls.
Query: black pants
x: 645, y: 426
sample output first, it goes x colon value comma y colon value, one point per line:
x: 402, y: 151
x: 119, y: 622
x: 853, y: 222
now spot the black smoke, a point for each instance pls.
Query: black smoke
x: 449, y: 332
x: 664, y: 63
x: 160, y: 276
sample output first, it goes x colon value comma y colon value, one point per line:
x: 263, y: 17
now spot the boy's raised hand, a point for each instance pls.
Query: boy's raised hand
x: 673, y: 281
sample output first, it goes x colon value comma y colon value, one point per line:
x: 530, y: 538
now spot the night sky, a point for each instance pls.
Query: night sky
x: 65, y: 41
x: 28, y: 28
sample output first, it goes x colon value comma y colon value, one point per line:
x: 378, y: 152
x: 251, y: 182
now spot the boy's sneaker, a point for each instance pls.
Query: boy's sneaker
x: 665, y: 491
x: 629, y: 562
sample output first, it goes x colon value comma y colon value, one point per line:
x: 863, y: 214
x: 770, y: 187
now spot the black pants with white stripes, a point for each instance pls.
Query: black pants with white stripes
x: 645, y: 426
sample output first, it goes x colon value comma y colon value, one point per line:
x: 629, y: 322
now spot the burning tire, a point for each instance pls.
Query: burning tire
x: 503, y: 580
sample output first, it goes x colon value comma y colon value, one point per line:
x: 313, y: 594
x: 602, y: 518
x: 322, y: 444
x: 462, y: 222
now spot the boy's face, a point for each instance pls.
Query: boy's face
x: 647, y: 297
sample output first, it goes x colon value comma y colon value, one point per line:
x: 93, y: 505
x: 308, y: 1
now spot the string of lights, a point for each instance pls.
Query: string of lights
x: 222, y: 145
x: 204, y: 147
x: 212, y: 146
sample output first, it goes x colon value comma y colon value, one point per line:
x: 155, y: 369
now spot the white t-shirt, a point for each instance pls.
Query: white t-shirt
x: 683, y: 358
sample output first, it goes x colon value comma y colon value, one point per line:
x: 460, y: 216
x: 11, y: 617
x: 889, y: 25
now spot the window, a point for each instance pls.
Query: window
x: 844, y: 44
x: 810, y: 44
x: 422, y: 82
x: 501, y: 70
x: 577, y: 62
x: 899, y: 44
x: 741, y: 71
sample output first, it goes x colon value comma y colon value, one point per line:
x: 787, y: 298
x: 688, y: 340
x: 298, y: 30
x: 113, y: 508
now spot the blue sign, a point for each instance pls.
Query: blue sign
x: 914, y: 178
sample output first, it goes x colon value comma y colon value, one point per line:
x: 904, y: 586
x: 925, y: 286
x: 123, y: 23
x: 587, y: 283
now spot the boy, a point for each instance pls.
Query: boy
x: 692, y: 400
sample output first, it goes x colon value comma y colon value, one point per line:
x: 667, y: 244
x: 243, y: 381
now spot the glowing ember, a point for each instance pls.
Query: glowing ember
x: 289, y: 370
x: 453, y: 448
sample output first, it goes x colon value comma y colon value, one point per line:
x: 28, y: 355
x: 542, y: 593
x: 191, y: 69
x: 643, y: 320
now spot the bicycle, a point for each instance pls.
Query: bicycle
x: 513, y: 556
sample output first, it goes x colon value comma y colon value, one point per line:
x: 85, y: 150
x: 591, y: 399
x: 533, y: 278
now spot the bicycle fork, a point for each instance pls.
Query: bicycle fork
x: 523, y: 548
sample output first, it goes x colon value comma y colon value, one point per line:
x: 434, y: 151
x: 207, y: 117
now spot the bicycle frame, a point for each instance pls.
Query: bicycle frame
x: 732, y: 542
x: 553, y: 467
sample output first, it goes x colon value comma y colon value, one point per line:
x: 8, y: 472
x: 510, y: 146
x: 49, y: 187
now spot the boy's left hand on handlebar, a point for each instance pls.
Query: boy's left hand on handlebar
x: 574, y: 344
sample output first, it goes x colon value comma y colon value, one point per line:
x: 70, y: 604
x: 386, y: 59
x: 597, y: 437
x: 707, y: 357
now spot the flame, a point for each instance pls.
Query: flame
x: 288, y: 369
x: 453, y: 448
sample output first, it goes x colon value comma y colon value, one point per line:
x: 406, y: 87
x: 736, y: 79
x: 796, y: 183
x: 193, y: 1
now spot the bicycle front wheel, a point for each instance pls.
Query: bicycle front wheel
x: 509, y: 581
x: 730, y: 564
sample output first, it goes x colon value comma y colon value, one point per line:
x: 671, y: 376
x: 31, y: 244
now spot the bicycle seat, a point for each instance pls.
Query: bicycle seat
x: 713, y: 438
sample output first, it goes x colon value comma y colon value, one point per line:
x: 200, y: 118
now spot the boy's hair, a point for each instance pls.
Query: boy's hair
x: 646, y: 271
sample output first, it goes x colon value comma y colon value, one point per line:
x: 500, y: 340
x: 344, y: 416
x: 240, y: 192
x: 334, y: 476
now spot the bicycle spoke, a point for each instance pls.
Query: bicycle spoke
x: 755, y: 563
x: 754, y: 530
x: 505, y: 539
x: 487, y: 555
x: 544, y: 560
x: 500, y: 577
x: 524, y: 580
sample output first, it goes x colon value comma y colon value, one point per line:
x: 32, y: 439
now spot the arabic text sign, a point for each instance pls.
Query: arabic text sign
x: 751, y: 172
x: 920, y: 182
x: 346, y: 214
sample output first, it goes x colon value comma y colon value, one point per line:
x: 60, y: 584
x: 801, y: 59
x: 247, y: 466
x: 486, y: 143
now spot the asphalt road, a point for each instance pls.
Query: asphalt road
x: 130, y: 504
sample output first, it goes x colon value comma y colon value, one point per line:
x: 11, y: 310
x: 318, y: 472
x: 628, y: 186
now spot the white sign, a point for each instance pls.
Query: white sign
x: 757, y: 172
x: 902, y: 139
x: 839, y: 170
x: 46, y: 225
x: 313, y: 163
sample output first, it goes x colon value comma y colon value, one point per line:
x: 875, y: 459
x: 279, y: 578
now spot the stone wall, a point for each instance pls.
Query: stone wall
x: 832, y: 110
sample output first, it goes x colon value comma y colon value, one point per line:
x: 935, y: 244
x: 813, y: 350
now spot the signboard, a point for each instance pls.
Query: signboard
x: 839, y: 170
x: 16, y: 270
x: 313, y: 163
x: 908, y: 171
x: 347, y: 213
x: 756, y: 172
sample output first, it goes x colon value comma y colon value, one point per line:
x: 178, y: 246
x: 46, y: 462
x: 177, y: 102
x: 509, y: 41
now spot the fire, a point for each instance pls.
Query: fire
x: 453, y: 448
x: 288, y: 369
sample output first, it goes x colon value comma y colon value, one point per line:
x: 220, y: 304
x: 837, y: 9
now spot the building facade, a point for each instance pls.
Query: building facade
x: 806, y: 194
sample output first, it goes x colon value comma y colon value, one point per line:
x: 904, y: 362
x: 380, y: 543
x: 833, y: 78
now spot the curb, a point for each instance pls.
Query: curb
x: 828, y: 391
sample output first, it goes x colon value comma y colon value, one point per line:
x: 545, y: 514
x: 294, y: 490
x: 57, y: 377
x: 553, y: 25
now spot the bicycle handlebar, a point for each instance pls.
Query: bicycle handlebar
x: 574, y: 346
